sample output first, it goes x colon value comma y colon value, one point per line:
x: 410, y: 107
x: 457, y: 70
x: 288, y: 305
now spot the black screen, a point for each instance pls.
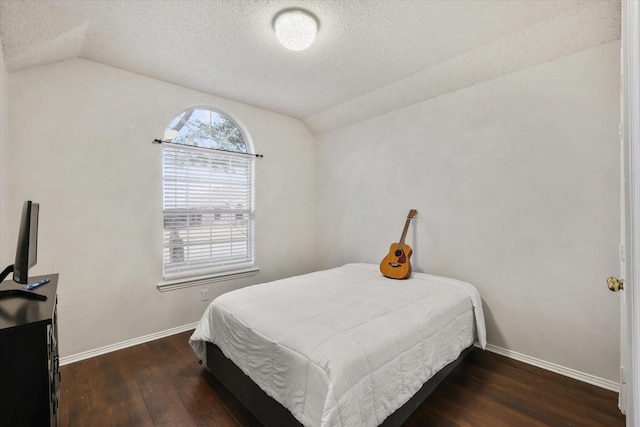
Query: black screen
x: 27, y: 250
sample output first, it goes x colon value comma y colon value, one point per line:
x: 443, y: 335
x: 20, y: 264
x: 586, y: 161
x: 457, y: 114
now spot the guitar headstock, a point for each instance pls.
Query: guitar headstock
x: 412, y: 213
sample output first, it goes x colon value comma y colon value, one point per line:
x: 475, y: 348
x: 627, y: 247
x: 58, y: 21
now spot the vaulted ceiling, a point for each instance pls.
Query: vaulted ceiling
x: 370, y: 56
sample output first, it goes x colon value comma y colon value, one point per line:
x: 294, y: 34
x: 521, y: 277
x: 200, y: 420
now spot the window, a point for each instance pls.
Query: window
x: 208, y: 197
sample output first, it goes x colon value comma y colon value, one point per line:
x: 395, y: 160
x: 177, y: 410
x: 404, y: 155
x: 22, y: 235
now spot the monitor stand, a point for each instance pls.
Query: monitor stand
x: 10, y: 293
x: 6, y: 272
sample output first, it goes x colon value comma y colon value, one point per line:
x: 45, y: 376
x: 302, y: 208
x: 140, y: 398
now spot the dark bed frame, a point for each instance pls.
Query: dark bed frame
x: 272, y: 414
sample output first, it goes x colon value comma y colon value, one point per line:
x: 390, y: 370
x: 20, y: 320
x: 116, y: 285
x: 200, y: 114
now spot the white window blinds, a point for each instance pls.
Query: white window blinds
x: 208, y: 208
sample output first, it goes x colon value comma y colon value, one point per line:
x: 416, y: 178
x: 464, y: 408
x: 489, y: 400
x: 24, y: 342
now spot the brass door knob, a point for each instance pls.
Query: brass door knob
x: 615, y: 284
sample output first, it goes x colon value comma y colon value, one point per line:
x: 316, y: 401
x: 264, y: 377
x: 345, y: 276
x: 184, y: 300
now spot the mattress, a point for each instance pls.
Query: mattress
x: 345, y: 346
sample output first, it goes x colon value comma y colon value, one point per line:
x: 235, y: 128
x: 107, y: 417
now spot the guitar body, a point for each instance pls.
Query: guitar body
x: 397, y: 264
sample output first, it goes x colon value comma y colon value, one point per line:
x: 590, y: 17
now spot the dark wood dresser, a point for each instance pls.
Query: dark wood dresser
x: 29, y: 375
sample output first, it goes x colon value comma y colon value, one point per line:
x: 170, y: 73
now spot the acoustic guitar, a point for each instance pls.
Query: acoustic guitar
x: 397, y: 263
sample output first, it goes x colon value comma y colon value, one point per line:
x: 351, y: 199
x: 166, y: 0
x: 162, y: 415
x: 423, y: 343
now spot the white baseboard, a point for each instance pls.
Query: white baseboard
x: 124, y: 344
x: 567, y: 372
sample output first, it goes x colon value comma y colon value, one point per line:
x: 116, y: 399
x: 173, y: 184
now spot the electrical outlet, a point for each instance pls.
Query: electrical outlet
x: 204, y: 295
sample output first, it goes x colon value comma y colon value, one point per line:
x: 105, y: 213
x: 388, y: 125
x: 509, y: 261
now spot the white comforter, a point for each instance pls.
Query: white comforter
x: 346, y: 346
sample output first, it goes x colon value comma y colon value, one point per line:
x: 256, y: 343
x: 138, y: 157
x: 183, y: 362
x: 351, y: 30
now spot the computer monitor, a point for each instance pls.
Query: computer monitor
x: 26, y: 251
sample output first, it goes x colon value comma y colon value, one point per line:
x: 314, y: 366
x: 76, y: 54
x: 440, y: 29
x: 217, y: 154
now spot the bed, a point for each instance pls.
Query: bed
x: 339, y: 347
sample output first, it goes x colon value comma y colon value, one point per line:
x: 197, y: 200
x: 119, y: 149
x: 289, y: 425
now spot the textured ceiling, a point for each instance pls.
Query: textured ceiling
x: 370, y: 56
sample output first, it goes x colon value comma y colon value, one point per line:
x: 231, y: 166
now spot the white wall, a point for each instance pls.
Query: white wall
x: 516, y: 185
x: 80, y: 144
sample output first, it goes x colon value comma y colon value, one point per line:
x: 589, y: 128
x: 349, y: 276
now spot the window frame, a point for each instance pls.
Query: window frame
x: 233, y: 270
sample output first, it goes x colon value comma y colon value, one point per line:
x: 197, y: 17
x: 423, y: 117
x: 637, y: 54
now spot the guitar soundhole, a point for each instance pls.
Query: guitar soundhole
x: 398, y: 253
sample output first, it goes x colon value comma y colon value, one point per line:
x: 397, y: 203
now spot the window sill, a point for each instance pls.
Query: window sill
x: 187, y: 282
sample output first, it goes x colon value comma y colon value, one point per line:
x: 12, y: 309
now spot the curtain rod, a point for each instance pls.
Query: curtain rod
x: 160, y: 141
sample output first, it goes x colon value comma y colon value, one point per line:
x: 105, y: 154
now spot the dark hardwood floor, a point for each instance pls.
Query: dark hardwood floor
x: 160, y: 383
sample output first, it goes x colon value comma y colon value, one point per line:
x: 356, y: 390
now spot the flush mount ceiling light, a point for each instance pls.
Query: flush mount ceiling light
x: 295, y: 28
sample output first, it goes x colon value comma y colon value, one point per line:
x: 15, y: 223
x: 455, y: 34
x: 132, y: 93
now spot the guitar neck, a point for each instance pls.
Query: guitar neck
x: 404, y: 233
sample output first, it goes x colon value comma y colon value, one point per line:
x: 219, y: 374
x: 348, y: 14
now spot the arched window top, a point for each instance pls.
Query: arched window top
x: 204, y: 127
